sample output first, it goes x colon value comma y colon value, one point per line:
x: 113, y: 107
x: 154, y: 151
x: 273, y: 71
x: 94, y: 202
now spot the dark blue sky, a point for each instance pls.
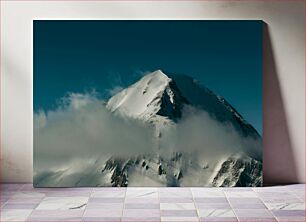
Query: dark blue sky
x: 78, y: 56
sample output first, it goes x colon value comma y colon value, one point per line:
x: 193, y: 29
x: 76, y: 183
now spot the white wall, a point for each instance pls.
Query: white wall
x: 284, y: 93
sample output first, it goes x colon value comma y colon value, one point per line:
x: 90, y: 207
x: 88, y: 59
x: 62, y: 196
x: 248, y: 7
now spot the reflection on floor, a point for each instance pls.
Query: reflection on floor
x: 21, y: 202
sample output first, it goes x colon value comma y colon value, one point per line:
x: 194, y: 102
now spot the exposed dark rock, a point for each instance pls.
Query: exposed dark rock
x: 243, y: 172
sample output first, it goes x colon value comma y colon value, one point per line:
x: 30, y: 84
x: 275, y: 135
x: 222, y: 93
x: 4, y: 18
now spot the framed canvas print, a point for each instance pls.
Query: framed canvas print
x: 147, y: 103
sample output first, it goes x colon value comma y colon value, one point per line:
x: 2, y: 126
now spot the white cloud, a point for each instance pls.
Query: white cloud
x: 83, y: 128
x: 81, y: 134
x: 114, y: 90
x: 198, y: 132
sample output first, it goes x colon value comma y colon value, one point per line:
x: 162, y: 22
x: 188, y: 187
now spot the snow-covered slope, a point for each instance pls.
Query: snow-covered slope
x: 155, y: 98
x: 138, y: 99
x: 159, y: 95
x: 159, y: 100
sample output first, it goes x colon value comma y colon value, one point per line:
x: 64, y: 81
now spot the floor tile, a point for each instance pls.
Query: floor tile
x: 218, y: 219
x: 178, y: 213
x: 175, y: 192
x: 285, y: 206
x: 291, y: 219
x: 142, y: 193
x: 216, y: 213
x: 14, y: 214
x: 210, y: 200
x: 103, y: 213
x: 54, y: 219
x: 105, y: 200
x: 236, y: 189
x: 62, y: 203
x: 57, y: 213
x: 296, y: 186
x: 91, y: 205
x: 114, y: 193
x: 67, y: 193
x: 266, y: 204
x: 3, y: 200
x: 273, y: 189
x: 109, y: 189
x: 299, y: 194
x: 142, y: 213
x: 289, y: 213
x: 25, y: 194
x: 278, y: 198
x: 10, y: 186
x: 140, y: 219
x: 246, y: 203
x: 224, y: 205
x: 253, y: 219
x: 174, y: 189
x: 246, y: 200
x: 101, y: 219
x: 176, y: 200
x: 240, y: 194
x: 27, y: 187
x: 25, y: 200
x: 253, y: 213
x: 20, y: 206
x: 177, y: 206
x: 179, y: 219
x: 142, y: 200
x: 141, y: 206
x: 248, y: 206
x: 207, y: 192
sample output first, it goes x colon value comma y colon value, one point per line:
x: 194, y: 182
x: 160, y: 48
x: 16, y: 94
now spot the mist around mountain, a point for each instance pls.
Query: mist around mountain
x: 163, y: 130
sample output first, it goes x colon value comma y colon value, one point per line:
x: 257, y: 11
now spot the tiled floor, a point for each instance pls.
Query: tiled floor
x: 21, y: 202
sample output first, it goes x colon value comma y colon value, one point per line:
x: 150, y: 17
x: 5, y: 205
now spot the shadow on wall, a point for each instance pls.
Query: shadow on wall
x: 278, y: 159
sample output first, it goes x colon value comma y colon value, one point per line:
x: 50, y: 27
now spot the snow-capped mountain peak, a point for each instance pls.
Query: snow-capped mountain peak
x: 158, y: 98
x: 154, y: 96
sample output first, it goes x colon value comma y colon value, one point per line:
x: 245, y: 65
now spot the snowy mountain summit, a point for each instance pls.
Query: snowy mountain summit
x: 161, y: 97
x: 153, y: 98
x: 161, y: 100
x: 198, y: 139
